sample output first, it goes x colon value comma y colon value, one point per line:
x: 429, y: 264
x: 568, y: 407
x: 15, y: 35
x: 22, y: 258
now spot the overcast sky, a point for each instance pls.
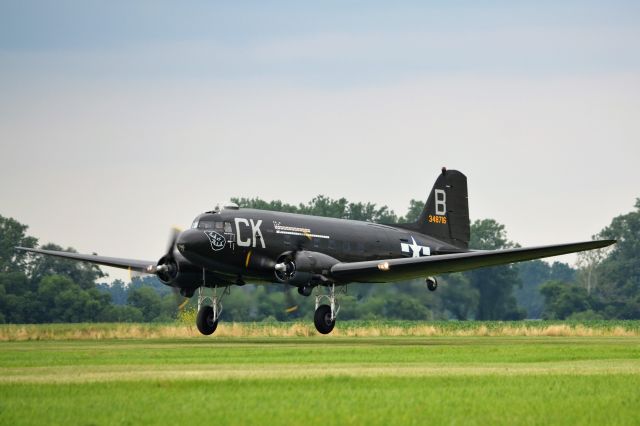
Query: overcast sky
x: 121, y: 119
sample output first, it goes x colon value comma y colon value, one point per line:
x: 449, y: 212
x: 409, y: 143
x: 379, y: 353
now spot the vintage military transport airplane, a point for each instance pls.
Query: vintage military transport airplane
x: 231, y: 246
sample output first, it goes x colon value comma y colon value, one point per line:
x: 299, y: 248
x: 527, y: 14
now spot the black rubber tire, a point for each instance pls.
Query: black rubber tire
x: 322, y: 319
x: 305, y: 291
x: 432, y: 285
x: 204, y: 321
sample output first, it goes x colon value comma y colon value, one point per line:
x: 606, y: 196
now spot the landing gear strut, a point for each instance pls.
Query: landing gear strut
x: 209, y: 310
x: 325, y: 315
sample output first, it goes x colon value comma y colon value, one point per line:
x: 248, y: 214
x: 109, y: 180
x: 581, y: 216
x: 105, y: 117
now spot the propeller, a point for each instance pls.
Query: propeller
x: 286, y: 265
x: 167, y: 267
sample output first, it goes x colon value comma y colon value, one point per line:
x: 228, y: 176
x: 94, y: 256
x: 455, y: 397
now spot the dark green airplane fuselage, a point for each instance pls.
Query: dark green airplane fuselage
x: 238, y: 245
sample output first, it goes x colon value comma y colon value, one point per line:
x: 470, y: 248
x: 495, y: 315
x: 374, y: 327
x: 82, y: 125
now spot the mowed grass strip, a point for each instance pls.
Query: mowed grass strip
x: 407, y: 380
x: 270, y: 351
x: 85, y: 374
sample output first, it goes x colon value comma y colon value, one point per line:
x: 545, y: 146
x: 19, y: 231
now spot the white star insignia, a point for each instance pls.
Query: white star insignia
x: 415, y: 248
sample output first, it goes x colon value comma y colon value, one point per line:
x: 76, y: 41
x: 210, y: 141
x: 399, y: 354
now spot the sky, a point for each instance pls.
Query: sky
x: 119, y: 120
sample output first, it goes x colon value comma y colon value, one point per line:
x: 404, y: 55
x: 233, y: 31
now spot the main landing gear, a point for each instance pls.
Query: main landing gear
x: 325, y: 315
x: 209, y: 309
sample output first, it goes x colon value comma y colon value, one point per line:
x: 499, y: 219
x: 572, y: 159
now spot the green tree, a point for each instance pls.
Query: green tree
x: 82, y: 273
x: 17, y: 301
x: 459, y: 297
x: 62, y: 300
x: 13, y: 234
x: 618, y: 290
x: 403, y: 306
x: 532, y: 275
x: 415, y: 208
x: 147, y: 301
x: 118, y: 291
x: 564, y: 299
x: 495, y: 285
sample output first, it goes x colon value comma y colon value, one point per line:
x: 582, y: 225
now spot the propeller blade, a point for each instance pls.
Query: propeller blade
x: 173, y: 237
x: 181, y: 301
x: 291, y: 303
x: 137, y: 274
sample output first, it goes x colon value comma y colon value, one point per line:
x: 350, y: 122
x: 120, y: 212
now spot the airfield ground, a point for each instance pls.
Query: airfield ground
x: 322, y: 380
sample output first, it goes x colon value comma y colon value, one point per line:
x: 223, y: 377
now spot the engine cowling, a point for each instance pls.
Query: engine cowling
x: 175, y: 272
x: 303, y: 268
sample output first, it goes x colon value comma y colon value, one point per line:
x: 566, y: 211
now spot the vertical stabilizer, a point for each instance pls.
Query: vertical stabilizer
x: 446, y: 214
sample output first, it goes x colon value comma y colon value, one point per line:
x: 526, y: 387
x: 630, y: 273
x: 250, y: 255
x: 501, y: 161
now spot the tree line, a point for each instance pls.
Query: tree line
x: 604, y: 284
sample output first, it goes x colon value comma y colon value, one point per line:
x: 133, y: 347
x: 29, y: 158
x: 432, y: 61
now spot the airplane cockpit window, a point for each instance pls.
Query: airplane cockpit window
x: 194, y: 225
x: 205, y: 224
x: 227, y: 227
x: 218, y: 226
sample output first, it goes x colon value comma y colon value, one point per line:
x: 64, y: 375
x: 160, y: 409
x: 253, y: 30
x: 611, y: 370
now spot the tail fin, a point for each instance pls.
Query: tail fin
x: 446, y: 214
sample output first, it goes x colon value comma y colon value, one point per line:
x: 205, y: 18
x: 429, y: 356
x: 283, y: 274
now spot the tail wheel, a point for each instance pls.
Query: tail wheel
x: 432, y: 284
x: 322, y: 319
x: 204, y: 321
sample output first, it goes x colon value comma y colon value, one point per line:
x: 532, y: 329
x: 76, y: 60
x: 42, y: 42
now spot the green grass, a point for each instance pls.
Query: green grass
x: 323, y: 380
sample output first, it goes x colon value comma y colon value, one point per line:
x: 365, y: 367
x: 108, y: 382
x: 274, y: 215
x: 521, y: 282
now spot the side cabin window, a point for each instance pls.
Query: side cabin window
x: 333, y: 245
x: 227, y: 227
x: 286, y: 239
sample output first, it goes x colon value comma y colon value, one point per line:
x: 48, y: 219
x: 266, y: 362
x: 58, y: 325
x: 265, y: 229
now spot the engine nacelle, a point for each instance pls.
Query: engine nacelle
x: 176, y: 272
x: 303, y: 268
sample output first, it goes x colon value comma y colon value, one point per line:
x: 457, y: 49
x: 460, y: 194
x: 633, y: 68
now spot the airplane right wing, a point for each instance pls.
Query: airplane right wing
x: 391, y: 270
x: 145, y: 266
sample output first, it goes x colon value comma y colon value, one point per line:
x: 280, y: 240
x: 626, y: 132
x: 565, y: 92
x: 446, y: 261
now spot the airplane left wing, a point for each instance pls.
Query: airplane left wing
x: 132, y: 264
x: 421, y: 267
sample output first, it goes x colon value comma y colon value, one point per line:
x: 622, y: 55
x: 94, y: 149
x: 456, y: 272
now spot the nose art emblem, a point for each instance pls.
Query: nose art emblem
x: 217, y: 241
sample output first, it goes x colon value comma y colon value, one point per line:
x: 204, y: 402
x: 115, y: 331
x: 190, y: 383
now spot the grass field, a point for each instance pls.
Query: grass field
x: 322, y: 380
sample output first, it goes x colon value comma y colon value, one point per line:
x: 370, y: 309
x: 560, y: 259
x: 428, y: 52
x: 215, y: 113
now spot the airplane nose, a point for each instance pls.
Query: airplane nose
x: 191, y: 240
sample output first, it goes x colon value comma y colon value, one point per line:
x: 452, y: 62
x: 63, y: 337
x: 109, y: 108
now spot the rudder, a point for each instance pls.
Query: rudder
x: 446, y: 214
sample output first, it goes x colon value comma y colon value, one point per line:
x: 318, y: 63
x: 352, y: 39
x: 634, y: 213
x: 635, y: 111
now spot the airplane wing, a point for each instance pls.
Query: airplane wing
x: 421, y: 267
x: 132, y: 264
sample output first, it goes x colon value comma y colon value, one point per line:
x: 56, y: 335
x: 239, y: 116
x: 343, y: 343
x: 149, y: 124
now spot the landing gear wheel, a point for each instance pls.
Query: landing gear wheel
x: 432, y: 284
x: 204, y: 321
x: 322, y: 319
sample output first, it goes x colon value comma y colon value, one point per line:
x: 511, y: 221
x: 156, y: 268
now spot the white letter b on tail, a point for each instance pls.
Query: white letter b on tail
x: 441, y: 202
